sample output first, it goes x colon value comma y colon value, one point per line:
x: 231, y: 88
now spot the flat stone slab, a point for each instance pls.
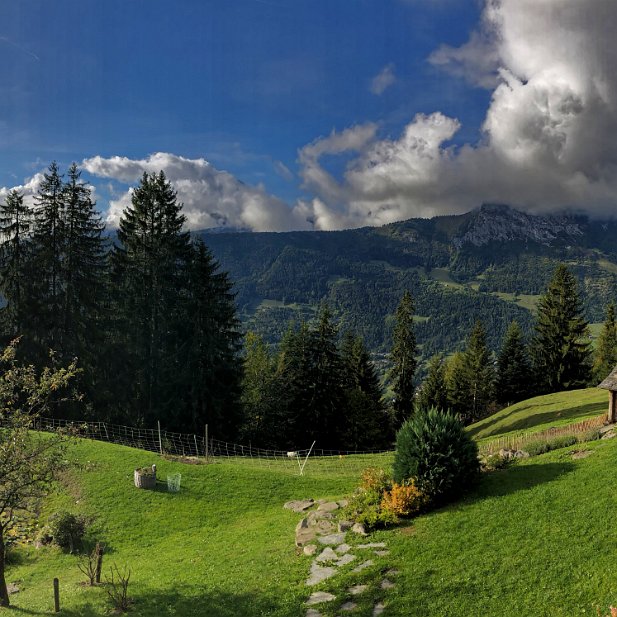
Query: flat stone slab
x: 327, y: 555
x: 299, y: 505
x: 367, y: 564
x: 310, y: 549
x: 342, y: 549
x: 359, y: 529
x: 320, y: 573
x: 356, y: 590
x: 378, y: 609
x: 386, y: 584
x: 345, y: 559
x: 333, y: 538
x: 305, y: 535
x: 317, y: 597
x: 348, y: 606
x: 329, y: 506
x: 373, y: 545
x: 343, y: 503
x: 345, y: 525
x: 313, y: 613
x: 382, y: 553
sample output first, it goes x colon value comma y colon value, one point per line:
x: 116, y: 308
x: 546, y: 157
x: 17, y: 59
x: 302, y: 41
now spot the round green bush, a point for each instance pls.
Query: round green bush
x: 433, y: 447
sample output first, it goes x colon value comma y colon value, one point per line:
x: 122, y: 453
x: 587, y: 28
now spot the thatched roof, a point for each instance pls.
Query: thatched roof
x: 610, y: 383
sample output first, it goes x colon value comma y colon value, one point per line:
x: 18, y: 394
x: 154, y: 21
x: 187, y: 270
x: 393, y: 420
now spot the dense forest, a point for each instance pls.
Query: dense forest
x: 152, y: 320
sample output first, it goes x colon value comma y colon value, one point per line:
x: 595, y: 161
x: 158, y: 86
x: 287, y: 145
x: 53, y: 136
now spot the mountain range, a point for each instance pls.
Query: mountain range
x: 490, y: 264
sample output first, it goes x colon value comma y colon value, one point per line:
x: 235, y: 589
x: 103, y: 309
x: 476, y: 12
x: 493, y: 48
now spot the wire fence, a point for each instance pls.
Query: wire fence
x: 199, y: 449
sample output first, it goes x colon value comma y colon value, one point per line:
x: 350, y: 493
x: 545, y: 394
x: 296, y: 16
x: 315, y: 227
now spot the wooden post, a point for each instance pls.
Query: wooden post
x: 612, y: 401
x: 99, y: 561
x: 160, y: 440
x: 56, y: 595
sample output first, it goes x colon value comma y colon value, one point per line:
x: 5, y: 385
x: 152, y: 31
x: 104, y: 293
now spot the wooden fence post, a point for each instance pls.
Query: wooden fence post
x: 56, y: 595
x: 99, y: 561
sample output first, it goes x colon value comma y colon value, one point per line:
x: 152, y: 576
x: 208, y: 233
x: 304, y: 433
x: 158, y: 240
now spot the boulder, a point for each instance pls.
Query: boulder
x: 299, y: 506
x: 329, y: 506
x: 333, y: 538
x: 359, y: 529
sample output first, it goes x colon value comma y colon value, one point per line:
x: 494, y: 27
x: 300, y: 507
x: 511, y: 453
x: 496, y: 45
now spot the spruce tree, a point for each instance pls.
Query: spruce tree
x: 433, y: 392
x: 605, y: 358
x: 561, y: 348
x: 514, y: 376
x: 403, y: 360
x: 15, y: 272
x: 150, y: 269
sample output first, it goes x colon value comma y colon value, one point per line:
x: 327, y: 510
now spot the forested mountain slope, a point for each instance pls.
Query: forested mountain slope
x: 489, y: 264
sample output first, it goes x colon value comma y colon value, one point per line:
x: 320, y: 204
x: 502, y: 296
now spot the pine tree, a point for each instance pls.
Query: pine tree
x: 47, y: 246
x: 514, y: 376
x: 15, y: 255
x: 561, y: 348
x: 403, y: 359
x: 150, y: 266
x: 471, y: 378
x: 433, y: 392
x: 606, y: 349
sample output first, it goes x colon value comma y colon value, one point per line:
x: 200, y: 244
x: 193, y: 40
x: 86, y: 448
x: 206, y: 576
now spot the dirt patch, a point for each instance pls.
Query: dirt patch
x: 410, y: 530
x: 581, y: 454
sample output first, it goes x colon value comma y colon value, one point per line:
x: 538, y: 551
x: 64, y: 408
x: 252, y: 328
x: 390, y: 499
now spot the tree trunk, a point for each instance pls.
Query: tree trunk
x: 4, y: 592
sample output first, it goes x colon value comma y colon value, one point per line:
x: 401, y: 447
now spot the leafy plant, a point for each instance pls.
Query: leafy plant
x: 433, y: 448
x: 403, y: 500
x: 67, y: 530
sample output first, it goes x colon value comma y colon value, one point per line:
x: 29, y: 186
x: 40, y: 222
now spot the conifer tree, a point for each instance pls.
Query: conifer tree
x: 605, y: 358
x: 15, y: 267
x: 433, y: 392
x: 403, y: 360
x: 561, y: 348
x: 514, y: 376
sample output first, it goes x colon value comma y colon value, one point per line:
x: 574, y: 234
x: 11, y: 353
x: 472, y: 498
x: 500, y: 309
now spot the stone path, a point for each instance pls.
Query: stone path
x: 322, y: 537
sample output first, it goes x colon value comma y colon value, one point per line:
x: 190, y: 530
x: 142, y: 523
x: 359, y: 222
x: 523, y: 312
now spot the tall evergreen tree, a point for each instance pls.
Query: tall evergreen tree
x: 433, y: 392
x: 561, y: 348
x: 15, y: 255
x: 605, y: 358
x: 403, y: 360
x: 150, y: 266
x: 514, y: 376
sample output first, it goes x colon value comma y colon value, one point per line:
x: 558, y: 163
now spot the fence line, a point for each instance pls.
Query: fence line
x: 517, y: 441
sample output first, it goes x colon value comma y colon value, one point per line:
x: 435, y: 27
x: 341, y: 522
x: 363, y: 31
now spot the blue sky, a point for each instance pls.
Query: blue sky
x: 245, y: 85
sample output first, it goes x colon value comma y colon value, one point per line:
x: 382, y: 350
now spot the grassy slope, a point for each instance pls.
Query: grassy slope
x: 542, y: 412
x: 223, y: 546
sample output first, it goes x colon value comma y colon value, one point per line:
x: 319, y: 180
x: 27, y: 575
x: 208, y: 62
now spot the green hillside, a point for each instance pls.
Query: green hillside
x: 534, y: 539
x: 542, y: 412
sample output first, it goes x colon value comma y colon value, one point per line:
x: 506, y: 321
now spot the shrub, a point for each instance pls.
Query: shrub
x: 534, y: 448
x: 67, y: 530
x: 433, y: 448
x: 403, y: 499
x: 375, y: 479
x: 365, y: 507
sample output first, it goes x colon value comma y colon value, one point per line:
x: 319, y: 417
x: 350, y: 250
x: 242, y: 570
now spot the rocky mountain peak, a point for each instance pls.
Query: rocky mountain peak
x: 501, y: 223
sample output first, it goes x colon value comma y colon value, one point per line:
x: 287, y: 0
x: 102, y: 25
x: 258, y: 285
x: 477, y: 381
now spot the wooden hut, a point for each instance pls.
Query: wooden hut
x: 610, y: 384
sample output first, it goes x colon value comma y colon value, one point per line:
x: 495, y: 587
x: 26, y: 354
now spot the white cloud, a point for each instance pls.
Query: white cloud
x: 383, y: 80
x: 547, y: 140
x: 211, y: 198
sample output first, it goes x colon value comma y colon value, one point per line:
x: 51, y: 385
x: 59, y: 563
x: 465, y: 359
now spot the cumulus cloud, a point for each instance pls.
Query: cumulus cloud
x: 383, y: 80
x: 211, y: 198
x: 547, y: 140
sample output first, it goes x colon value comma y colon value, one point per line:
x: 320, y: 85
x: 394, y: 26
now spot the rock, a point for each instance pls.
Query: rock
x: 327, y: 555
x: 609, y: 434
x: 521, y: 454
x: 310, y: 549
x: 386, y: 584
x: 377, y: 609
x: 382, y: 553
x: 318, y: 515
x: 333, y: 538
x: 359, y: 529
x: 320, y: 573
x: 356, y: 590
x: 505, y: 453
x: 299, y: 506
x: 345, y: 559
x: 348, y: 606
x: 317, y: 597
x: 343, y: 503
x: 372, y: 545
x: 322, y: 521
x: 12, y: 588
x: 581, y: 454
x: 313, y: 613
x: 363, y: 566
x: 329, y: 506
x: 342, y: 549
x: 305, y: 535
x: 344, y: 525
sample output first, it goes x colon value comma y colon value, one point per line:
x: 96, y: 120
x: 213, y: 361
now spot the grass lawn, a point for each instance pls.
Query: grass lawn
x: 542, y: 412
